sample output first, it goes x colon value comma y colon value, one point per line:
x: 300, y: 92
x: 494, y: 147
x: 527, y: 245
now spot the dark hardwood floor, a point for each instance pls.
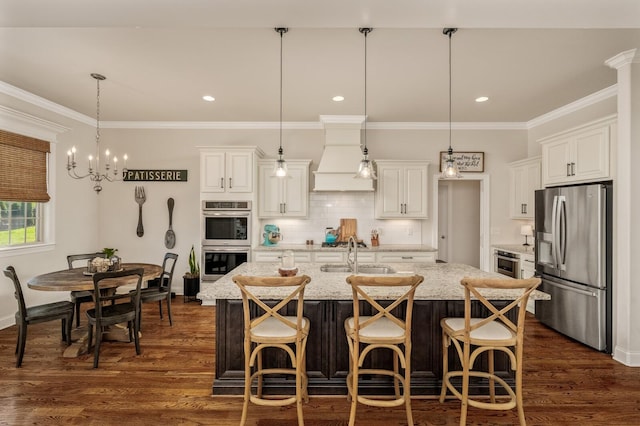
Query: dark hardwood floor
x: 565, y: 383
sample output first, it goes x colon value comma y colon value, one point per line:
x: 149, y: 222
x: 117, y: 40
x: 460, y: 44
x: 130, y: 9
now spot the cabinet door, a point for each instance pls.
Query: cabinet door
x: 556, y: 159
x: 239, y: 171
x: 212, y: 172
x: 591, y: 159
x: 296, y: 191
x: 415, y: 192
x: 411, y: 257
x: 269, y: 192
x: 390, y: 192
x: 267, y: 256
x: 329, y: 257
x: 525, y: 179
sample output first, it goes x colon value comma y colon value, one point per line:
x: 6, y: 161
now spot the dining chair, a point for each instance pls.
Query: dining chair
x: 62, y: 310
x: 102, y: 315
x: 385, y: 328
x: 265, y: 327
x: 79, y: 297
x: 163, y: 290
x: 473, y: 336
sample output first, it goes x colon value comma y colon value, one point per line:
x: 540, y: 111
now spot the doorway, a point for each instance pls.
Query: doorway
x: 461, y: 216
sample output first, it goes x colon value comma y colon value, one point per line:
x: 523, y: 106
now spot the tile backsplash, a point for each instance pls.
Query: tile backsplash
x: 327, y: 208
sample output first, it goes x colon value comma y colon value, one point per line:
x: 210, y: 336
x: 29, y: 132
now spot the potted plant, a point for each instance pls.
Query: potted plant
x: 192, y: 278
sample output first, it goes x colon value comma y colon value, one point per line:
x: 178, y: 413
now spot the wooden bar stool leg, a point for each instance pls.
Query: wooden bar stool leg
x: 445, y: 366
x: 492, y: 382
x: 396, y: 370
x: 247, y: 382
x: 260, y: 376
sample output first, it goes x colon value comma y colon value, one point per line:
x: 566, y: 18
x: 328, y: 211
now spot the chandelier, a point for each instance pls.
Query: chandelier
x: 94, y: 173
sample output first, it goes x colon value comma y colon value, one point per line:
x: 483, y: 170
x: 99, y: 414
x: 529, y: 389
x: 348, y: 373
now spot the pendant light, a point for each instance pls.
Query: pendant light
x: 280, y: 169
x: 451, y: 168
x: 365, y: 169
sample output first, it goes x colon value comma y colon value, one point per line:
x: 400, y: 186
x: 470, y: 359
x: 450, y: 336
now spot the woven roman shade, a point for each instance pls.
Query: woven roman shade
x: 23, y: 168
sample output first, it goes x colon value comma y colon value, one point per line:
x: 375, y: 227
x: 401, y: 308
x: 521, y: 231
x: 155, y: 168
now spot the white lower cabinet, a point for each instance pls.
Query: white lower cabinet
x: 366, y: 257
x: 527, y: 266
x: 329, y: 257
x: 276, y: 256
x: 406, y: 256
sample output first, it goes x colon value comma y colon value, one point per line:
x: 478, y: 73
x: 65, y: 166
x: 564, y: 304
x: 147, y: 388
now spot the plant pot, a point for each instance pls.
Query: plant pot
x: 191, y: 288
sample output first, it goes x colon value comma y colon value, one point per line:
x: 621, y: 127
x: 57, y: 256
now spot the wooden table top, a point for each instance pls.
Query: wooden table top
x: 76, y: 280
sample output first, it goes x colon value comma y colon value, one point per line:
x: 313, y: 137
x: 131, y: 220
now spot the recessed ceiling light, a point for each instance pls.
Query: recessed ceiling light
x: 338, y: 98
x: 208, y: 98
x: 482, y: 99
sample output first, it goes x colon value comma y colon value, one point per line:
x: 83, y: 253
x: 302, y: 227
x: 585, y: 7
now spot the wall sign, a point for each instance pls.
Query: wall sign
x: 155, y: 175
x: 466, y: 161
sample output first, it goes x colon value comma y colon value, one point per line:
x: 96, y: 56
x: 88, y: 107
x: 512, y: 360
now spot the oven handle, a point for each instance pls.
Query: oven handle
x: 515, y: 260
x: 226, y: 214
x: 225, y: 249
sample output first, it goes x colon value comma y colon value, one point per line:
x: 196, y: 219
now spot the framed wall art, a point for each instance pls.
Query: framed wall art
x: 466, y: 161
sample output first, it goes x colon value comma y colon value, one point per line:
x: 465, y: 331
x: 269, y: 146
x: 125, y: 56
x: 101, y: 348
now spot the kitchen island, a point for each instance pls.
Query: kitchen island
x: 327, y: 304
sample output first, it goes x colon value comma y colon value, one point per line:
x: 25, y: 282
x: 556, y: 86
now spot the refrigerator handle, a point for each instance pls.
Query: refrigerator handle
x: 562, y: 259
x: 554, y: 232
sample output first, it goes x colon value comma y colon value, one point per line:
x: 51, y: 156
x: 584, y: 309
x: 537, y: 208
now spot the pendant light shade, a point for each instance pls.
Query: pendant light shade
x: 280, y: 169
x: 451, y: 169
x: 365, y: 169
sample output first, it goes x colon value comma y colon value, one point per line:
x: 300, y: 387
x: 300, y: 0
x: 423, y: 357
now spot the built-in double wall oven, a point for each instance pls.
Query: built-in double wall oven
x: 226, y: 237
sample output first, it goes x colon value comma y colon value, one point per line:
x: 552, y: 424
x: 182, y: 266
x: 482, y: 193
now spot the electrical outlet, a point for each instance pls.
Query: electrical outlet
x: 409, y: 231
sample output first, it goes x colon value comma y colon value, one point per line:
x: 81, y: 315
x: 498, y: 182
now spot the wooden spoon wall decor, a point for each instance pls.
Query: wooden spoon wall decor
x: 170, y: 236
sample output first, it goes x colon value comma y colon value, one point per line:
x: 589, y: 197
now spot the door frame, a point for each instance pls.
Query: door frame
x: 485, y: 216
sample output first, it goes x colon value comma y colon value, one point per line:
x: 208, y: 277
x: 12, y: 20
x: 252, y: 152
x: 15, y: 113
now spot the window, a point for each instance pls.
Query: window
x: 19, y: 223
x: 24, y: 177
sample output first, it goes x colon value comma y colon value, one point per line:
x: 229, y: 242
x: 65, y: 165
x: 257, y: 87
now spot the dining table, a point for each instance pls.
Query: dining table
x: 78, y: 279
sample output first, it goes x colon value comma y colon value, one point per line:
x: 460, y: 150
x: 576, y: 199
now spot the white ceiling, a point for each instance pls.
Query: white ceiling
x: 161, y: 56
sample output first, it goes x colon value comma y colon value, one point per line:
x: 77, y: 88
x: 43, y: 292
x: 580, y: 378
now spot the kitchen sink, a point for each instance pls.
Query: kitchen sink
x: 335, y: 268
x: 362, y: 269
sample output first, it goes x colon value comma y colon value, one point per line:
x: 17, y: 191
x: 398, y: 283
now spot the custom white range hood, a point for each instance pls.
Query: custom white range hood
x: 342, y: 155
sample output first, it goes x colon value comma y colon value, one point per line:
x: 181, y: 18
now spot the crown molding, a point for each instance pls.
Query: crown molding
x: 589, y: 100
x: 312, y: 125
x: 15, y: 121
x: 621, y: 59
x: 46, y: 104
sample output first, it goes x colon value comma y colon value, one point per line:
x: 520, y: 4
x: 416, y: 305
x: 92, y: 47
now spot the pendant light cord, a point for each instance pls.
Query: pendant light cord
x: 450, y: 84
x: 281, y: 31
x: 366, y: 32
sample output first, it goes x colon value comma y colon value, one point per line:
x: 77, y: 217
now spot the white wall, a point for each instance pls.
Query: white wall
x: 87, y: 221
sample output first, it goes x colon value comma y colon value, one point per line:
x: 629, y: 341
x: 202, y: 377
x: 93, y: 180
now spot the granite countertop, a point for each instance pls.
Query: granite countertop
x: 515, y: 248
x: 318, y: 247
x: 442, y: 282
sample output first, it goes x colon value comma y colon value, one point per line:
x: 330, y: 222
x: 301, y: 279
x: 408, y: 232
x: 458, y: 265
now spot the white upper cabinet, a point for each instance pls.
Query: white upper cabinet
x: 227, y: 170
x: 578, y: 155
x: 283, y: 196
x: 525, y: 179
x: 402, y: 189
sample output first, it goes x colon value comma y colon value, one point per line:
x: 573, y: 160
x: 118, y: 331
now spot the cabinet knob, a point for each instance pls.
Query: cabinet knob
x: 222, y: 182
x: 230, y: 183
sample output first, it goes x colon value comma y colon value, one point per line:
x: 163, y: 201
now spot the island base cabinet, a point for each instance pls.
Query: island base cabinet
x: 327, y: 357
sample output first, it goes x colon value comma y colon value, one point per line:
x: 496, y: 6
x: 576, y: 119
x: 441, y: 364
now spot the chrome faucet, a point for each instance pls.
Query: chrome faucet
x: 352, y: 248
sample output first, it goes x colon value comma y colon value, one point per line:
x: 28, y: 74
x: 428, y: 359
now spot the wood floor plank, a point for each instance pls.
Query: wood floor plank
x: 565, y: 383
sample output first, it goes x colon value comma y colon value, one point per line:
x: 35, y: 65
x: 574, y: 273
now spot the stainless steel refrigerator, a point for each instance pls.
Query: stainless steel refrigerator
x: 573, y: 257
